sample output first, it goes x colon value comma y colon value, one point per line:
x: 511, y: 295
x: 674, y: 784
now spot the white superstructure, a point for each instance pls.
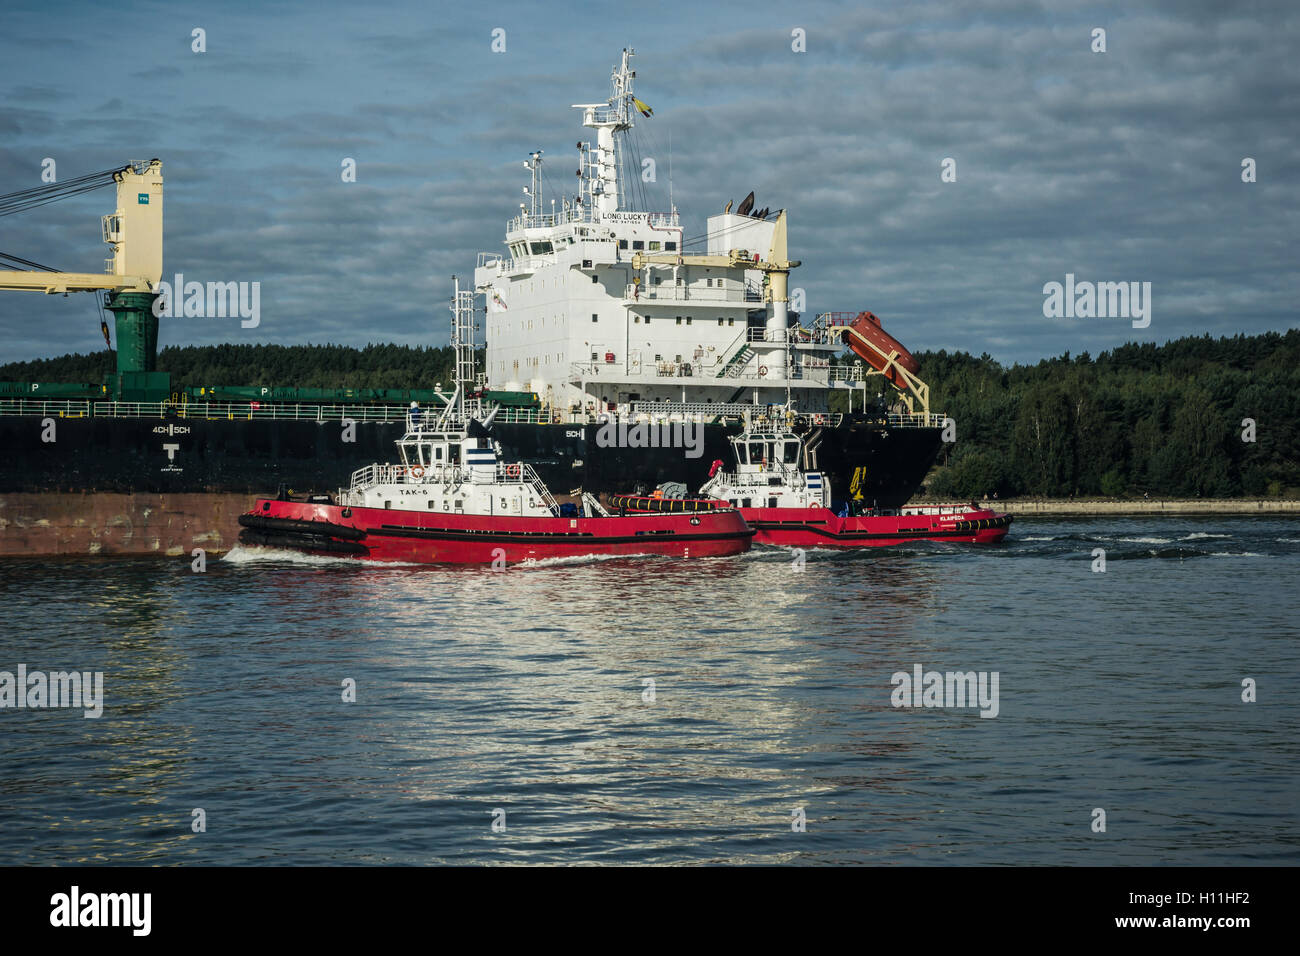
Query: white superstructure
x: 598, y: 307
x: 768, y: 474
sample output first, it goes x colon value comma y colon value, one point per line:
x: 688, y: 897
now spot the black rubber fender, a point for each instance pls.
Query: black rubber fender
x: 299, y: 526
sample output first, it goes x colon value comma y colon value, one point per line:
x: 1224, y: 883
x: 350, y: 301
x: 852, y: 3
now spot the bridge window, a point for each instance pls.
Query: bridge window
x: 670, y: 247
x: 622, y: 243
x: 594, y: 317
x: 654, y: 246
x: 638, y: 244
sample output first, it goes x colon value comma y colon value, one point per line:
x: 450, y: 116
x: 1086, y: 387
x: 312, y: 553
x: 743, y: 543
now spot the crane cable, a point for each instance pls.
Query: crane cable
x: 25, y: 199
x: 27, y: 262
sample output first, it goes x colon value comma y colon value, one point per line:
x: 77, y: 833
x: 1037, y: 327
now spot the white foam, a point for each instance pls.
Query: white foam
x: 1146, y: 540
x: 1235, y: 554
x: 579, y: 559
x: 256, y: 554
x: 1201, y: 535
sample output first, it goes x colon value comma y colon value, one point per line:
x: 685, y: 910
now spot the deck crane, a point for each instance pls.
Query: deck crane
x: 776, y: 268
x: 880, y: 350
x: 134, y: 231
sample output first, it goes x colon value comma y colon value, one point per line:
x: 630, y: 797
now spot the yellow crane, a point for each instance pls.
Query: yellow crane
x: 776, y: 265
x: 134, y: 232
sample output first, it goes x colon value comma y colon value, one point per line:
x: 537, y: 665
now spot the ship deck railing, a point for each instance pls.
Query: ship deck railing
x: 446, y: 474
x: 936, y: 509
x: 212, y: 411
x: 705, y: 371
x: 795, y: 335
x: 684, y: 293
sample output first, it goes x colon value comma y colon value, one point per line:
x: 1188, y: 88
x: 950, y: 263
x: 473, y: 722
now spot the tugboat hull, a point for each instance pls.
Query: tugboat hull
x: 822, y: 528
x: 381, y: 534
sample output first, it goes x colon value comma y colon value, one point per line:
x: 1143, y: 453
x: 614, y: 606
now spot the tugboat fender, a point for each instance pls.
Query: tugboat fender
x: 298, y: 526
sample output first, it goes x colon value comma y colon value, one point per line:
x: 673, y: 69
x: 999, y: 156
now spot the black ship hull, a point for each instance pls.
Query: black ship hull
x: 883, y: 464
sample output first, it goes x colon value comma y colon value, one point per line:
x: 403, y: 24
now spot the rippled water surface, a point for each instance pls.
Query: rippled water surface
x: 525, y: 691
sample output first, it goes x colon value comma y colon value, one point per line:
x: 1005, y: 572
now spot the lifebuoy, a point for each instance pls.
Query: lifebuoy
x: 417, y: 471
x: 512, y: 471
x: 762, y: 370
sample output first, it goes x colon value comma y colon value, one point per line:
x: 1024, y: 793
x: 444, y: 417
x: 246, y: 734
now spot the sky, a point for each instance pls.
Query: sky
x: 1115, y: 166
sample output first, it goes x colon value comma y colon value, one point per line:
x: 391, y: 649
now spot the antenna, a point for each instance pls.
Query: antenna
x: 534, y: 192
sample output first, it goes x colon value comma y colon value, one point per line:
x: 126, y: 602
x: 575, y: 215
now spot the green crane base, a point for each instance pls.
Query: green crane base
x: 137, y: 378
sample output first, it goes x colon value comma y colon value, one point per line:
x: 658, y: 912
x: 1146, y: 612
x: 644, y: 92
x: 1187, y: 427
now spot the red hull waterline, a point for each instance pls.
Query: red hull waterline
x: 822, y: 528
x: 392, y: 535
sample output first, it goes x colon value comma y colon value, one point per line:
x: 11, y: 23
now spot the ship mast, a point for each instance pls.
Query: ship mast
x: 602, y: 166
x: 534, y: 193
x: 462, y: 342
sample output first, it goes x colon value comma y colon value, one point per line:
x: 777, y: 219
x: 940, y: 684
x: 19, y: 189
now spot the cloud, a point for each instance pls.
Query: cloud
x: 1116, y: 166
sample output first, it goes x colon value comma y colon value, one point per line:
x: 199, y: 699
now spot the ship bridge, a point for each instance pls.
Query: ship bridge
x: 598, y: 307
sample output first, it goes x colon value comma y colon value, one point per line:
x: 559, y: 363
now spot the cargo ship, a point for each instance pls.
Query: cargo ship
x: 598, y: 311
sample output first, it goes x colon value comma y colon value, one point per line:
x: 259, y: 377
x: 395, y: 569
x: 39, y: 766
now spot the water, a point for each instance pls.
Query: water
x: 524, y: 691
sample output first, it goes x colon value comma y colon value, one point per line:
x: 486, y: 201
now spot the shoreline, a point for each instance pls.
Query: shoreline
x: 1030, y: 507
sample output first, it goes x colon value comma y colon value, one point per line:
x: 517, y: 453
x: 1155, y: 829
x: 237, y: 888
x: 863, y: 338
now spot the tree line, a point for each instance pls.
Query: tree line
x: 1194, y: 417
x: 301, y: 366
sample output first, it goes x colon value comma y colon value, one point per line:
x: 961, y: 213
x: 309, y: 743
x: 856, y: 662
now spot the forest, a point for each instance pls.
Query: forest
x: 302, y: 366
x: 1195, y: 417
x: 1161, y: 420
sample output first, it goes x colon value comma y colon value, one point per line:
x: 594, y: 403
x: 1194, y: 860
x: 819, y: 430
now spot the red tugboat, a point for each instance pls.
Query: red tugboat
x: 450, y: 501
x: 791, y: 507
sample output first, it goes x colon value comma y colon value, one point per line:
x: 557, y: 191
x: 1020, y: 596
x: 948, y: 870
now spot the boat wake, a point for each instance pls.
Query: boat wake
x: 260, y: 554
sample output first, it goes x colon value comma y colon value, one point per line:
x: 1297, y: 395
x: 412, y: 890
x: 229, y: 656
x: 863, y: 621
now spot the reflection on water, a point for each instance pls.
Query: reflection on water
x: 526, y: 690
